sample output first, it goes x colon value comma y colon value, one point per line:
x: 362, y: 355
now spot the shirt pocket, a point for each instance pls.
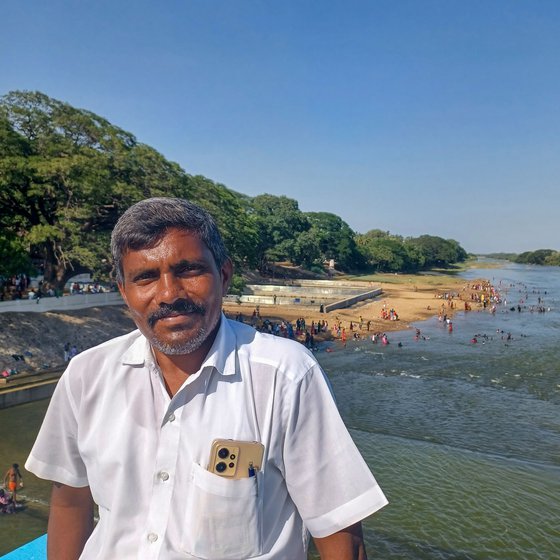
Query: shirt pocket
x: 223, y: 518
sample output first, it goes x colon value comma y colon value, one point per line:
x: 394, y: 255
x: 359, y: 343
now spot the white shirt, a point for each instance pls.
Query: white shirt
x: 112, y: 425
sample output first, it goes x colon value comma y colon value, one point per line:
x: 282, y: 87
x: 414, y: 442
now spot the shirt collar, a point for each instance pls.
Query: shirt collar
x: 221, y: 356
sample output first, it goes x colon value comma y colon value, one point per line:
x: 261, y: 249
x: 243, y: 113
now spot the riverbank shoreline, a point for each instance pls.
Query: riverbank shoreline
x: 31, y: 342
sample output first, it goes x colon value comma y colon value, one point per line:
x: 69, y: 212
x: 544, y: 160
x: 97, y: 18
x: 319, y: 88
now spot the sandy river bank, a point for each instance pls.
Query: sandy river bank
x: 40, y: 337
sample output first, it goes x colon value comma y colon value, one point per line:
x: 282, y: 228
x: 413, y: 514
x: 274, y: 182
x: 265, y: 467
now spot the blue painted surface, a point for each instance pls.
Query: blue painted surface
x: 34, y: 550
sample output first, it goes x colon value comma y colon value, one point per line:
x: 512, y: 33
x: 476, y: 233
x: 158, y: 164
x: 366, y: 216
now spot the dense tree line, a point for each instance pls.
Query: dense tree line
x: 541, y: 256
x: 66, y: 175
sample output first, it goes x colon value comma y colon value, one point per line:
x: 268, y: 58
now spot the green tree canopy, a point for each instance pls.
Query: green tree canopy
x: 540, y: 256
x: 438, y: 251
x: 230, y: 210
x: 279, y: 221
x: 389, y: 253
x: 335, y: 240
x: 66, y: 175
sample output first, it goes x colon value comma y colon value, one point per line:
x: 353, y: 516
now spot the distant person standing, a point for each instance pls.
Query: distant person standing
x: 13, y: 479
x: 67, y: 352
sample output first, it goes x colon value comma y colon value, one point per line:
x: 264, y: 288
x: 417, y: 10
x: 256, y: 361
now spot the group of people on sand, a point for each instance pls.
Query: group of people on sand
x: 302, y: 332
x: 389, y: 314
x: 12, y: 481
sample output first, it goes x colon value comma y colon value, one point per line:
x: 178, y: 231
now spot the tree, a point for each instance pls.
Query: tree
x: 231, y: 211
x: 66, y: 174
x: 279, y: 221
x: 386, y: 254
x: 438, y: 251
x: 553, y: 259
x: 14, y: 258
x: 540, y: 256
x: 306, y: 251
x: 335, y: 239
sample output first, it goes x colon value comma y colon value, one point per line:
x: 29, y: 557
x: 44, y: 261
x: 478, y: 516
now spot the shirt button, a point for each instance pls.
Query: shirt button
x: 172, y: 417
x: 152, y: 537
x: 163, y: 476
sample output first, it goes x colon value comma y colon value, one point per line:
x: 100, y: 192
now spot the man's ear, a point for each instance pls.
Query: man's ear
x: 227, y: 275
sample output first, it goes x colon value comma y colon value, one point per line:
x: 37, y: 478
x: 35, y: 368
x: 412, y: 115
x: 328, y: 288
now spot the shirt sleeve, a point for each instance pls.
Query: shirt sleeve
x: 326, y: 476
x: 55, y: 455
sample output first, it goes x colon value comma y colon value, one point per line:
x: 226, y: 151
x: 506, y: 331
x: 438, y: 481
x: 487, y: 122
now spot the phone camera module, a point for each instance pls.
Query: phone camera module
x: 221, y: 467
x: 223, y: 452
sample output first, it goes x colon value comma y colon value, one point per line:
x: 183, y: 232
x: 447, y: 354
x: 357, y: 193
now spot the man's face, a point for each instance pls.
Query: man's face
x: 174, y: 292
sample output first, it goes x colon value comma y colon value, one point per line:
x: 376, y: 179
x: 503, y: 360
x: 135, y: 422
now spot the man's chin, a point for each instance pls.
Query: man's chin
x: 179, y: 347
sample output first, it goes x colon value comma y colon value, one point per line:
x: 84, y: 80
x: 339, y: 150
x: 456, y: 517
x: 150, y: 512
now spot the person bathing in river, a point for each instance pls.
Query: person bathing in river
x: 6, y: 503
x: 12, y: 479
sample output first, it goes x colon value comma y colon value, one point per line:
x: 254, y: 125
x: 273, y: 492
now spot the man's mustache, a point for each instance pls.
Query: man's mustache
x: 180, y: 306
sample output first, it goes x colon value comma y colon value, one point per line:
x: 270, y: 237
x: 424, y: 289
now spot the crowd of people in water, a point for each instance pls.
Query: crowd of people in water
x: 480, y: 295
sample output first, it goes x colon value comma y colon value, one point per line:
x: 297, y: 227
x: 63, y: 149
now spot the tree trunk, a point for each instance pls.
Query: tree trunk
x: 57, y: 273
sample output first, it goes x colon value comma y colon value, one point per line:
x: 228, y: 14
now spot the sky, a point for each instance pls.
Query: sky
x: 436, y: 117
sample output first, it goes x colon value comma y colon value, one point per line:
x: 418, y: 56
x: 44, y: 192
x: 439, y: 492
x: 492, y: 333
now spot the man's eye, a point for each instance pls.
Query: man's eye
x: 144, y: 278
x: 189, y: 269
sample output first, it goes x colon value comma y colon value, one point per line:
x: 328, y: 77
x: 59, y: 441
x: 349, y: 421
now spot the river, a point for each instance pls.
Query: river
x: 464, y: 438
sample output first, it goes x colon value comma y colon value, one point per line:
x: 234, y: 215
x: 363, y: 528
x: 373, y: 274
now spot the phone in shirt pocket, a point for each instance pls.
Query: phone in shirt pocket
x: 235, y: 459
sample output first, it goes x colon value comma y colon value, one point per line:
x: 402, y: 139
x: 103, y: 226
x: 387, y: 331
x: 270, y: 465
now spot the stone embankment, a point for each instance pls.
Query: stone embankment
x: 28, y: 387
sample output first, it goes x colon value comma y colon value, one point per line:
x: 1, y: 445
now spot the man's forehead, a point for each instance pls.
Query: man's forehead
x: 179, y: 245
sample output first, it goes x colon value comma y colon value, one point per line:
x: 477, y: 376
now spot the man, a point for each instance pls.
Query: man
x: 131, y: 424
x: 13, y: 479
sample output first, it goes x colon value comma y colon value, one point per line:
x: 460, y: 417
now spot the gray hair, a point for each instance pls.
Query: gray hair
x: 144, y: 224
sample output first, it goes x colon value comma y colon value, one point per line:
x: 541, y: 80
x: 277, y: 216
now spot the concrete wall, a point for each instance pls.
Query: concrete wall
x: 328, y: 283
x: 74, y: 301
x: 352, y: 300
x: 310, y: 300
x: 335, y: 283
x: 29, y: 393
x: 327, y: 291
x: 281, y: 300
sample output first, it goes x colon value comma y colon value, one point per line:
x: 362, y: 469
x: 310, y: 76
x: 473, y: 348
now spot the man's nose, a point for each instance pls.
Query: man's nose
x: 170, y: 289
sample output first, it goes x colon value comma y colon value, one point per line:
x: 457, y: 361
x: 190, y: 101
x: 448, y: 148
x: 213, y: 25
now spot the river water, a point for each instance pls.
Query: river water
x: 464, y: 438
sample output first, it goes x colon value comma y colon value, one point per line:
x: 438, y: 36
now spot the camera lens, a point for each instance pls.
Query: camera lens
x: 223, y: 452
x: 221, y: 466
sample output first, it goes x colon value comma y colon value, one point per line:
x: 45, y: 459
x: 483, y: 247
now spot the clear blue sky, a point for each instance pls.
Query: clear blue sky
x: 421, y: 116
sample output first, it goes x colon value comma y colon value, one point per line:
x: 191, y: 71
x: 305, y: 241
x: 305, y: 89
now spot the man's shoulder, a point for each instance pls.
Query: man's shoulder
x: 117, y: 346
